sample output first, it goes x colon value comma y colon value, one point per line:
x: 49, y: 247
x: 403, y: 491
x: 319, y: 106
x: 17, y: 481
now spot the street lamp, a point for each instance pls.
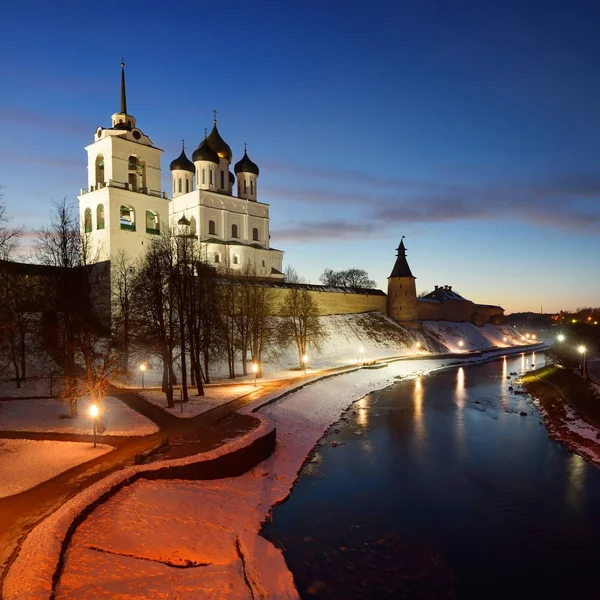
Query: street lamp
x: 143, y: 368
x: 560, y: 337
x: 361, y: 351
x: 304, y: 361
x: 460, y: 343
x: 255, y: 371
x: 581, y: 351
x: 94, y: 415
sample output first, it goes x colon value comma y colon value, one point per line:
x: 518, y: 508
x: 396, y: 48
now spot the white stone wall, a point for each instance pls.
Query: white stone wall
x: 202, y: 207
x: 246, y: 186
x: 116, y: 151
x: 183, y: 182
x: 107, y: 242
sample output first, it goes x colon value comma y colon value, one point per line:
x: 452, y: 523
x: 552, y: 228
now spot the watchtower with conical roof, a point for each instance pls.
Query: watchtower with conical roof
x: 402, y: 292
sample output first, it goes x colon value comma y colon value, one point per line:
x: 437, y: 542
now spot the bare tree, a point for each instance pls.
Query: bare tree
x: 351, y: 278
x: 9, y: 236
x: 154, y: 300
x: 261, y: 300
x: 301, y: 324
x: 59, y: 243
x: 122, y: 273
x: 228, y: 296
x: 292, y: 276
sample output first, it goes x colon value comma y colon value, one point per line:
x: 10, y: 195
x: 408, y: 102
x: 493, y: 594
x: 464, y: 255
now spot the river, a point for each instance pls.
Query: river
x: 439, y: 488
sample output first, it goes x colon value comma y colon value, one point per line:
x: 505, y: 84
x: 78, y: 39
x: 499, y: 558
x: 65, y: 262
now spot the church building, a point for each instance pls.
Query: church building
x: 123, y: 207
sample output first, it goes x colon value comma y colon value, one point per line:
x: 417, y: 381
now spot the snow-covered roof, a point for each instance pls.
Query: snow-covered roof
x: 443, y: 293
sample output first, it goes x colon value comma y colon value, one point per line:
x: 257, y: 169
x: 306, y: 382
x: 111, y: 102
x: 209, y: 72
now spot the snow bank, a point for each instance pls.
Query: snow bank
x: 214, y: 396
x: 48, y: 416
x: 377, y: 334
x: 31, y: 574
x: 27, y: 463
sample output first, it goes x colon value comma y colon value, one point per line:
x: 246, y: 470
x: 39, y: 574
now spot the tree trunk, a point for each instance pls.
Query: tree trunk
x: 206, y: 372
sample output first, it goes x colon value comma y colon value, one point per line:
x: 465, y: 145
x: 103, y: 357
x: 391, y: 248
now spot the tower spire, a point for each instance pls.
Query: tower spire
x: 123, y: 95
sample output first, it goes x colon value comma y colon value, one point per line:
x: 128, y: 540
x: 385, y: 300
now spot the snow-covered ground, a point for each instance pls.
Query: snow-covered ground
x: 154, y: 523
x: 345, y: 335
x: 32, y: 387
x: 48, y: 416
x: 214, y: 396
x: 27, y: 463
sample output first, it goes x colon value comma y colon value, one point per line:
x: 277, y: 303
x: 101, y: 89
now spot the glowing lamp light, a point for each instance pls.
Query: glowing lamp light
x: 561, y: 338
x: 461, y: 343
x: 581, y: 349
x: 505, y: 339
x: 93, y: 411
x: 361, y: 350
x: 418, y: 345
x: 574, y: 321
x: 533, y: 336
x: 254, y: 367
x: 527, y: 336
x: 143, y: 367
x: 305, y: 359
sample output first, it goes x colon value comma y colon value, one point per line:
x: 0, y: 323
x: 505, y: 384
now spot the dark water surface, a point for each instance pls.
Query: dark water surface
x: 440, y: 489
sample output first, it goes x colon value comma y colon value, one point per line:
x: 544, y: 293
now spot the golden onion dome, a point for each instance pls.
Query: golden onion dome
x: 218, y: 144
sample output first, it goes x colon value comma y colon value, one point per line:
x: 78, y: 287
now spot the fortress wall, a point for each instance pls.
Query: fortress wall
x: 459, y: 310
x: 336, y: 303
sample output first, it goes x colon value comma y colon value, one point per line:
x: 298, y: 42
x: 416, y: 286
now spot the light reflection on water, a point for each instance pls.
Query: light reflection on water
x: 445, y: 461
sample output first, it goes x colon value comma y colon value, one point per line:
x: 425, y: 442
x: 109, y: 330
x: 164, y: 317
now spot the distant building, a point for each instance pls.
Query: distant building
x: 443, y: 304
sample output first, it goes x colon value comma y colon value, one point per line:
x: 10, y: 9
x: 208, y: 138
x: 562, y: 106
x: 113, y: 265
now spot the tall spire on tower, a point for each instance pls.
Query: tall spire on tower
x: 123, y: 95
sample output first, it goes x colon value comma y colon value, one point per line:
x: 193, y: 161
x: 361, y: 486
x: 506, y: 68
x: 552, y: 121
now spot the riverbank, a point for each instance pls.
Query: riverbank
x: 570, y: 407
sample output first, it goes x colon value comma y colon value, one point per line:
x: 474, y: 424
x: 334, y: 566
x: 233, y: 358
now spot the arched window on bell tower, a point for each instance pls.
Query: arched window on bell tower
x: 100, y: 170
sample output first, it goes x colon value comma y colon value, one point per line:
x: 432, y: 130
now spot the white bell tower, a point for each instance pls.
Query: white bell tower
x: 123, y: 206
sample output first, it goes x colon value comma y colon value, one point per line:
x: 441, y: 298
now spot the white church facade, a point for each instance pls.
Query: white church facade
x: 123, y: 207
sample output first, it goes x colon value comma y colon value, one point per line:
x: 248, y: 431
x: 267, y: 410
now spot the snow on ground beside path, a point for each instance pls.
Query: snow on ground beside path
x: 27, y: 463
x: 379, y: 337
x: 473, y: 337
x: 44, y: 416
x: 214, y: 396
x: 179, y: 521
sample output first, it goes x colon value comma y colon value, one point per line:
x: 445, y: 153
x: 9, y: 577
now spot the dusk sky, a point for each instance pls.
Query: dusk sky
x: 470, y: 127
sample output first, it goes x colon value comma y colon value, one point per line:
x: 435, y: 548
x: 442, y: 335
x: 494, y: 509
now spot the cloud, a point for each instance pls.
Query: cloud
x: 566, y: 202
x: 322, y: 230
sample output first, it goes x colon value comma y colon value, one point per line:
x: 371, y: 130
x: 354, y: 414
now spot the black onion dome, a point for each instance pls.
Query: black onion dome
x: 231, y: 177
x: 246, y: 165
x: 205, y: 152
x: 183, y: 163
x: 218, y: 144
